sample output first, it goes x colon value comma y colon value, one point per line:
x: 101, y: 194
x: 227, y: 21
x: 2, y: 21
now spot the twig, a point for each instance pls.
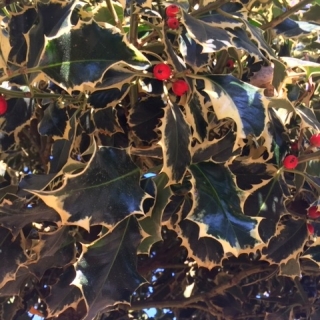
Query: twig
x: 285, y: 15
x: 180, y: 303
x: 114, y: 14
x: 209, y: 7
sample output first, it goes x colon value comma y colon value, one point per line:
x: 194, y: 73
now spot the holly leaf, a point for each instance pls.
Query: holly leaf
x: 145, y: 116
x: 266, y: 201
x: 196, y: 115
x: 237, y: 100
x: 288, y: 242
x: 217, y: 212
x: 12, y: 256
x: 72, y: 68
x: 14, y: 287
x: 313, y: 252
x: 106, y: 270
x: 16, y: 215
x: 55, y: 249
x: 151, y: 223
x: 63, y: 295
x: 109, y: 185
x: 219, y: 150
x: 175, y: 141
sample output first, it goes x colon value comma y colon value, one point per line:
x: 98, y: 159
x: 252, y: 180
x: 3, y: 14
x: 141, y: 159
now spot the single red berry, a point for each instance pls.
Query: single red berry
x: 172, y: 10
x: 230, y: 64
x: 310, y: 228
x: 315, y: 140
x: 294, y: 146
x: 3, y: 106
x: 173, y: 23
x: 290, y: 162
x: 162, y: 71
x: 180, y: 87
x: 313, y: 212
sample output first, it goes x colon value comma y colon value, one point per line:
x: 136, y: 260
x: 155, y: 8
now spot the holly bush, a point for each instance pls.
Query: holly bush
x: 159, y: 156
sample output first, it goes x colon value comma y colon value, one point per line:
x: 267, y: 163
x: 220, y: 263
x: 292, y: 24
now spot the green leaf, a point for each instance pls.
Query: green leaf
x: 106, y: 192
x: 175, y: 141
x: 217, y: 211
x: 71, y: 67
x: 106, y: 270
x: 151, y: 223
x: 237, y: 100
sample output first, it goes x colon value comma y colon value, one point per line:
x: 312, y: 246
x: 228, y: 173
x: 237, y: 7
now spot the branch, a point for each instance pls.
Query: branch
x: 180, y: 303
x: 285, y: 15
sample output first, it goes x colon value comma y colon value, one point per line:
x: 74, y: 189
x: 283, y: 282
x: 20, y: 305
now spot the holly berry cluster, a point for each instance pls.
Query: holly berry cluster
x: 171, y: 12
x: 291, y: 161
x: 162, y: 71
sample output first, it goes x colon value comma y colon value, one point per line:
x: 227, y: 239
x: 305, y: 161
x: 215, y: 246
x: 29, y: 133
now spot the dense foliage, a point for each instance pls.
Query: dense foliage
x: 159, y: 155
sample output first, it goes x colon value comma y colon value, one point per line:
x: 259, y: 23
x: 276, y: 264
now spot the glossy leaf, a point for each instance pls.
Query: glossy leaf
x: 232, y: 98
x: 106, y: 271
x: 72, y: 68
x: 176, y: 140
x: 110, y: 185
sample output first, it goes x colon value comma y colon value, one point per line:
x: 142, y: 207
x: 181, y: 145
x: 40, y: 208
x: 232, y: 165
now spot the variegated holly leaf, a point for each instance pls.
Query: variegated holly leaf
x: 292, y: 29
x: 196, y: 116
x: 12, y: 256
x: 20, y: 24
x: 14, y: 287
x: 52, y: 16
x: 151, y: 223
x: 63, y: 295
x: 218, y: 150
x: 106, y: 270
x: 214, y: 38
x: 237, y: 100
x: 175, y: 141
x: 54, y: 121
x: 16, y: 215
x: 216, y: 214
x: 266, y: 201
x: 313, y: 252
x: 55, y: 249
x: 290, y: 269
x: 106, y: 192
x: 251, y: 175
x: 145, y: 116
x: 72, y: 68
x: 288, y: 242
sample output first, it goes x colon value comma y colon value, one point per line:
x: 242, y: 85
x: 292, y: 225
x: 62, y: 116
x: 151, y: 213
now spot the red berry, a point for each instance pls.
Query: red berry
x: 3, y: 106
x: 230, y: 64
x: 172, y: 10
x: 180, y: 87
x: 290, y: 162
x: 310, y: 228
x: 313, y: 212
x: 162, y: 71
x: 315, y: 140
x: 173, y: 23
